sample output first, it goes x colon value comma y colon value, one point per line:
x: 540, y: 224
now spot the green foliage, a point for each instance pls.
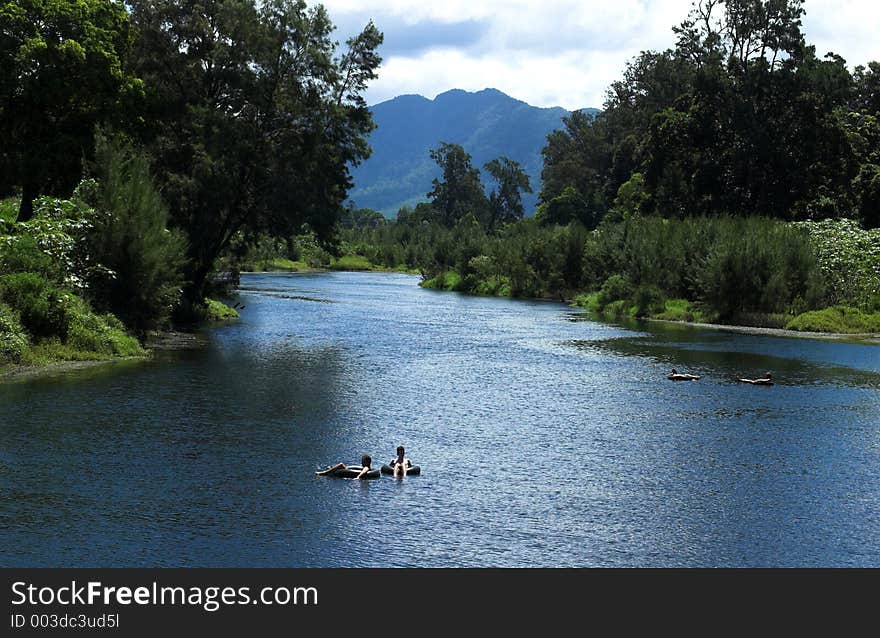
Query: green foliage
x: 565, y: 208
x: 631, y: 197
x: 54, y: 316
x: 218, y: 311
x: 21, y: 253
x: 361, y: 218
x: 255, y: 118
x: 615, y: 288
x: 741, y: 117
x: 588, y: 301
x: 100, y: 334
x: 505, y: 203
x: 459, y: 192
x: 14, y: 342
x: 43, y: 309
x: 351, y: 262
x: 8, y: 210
x: 837, y: 319
x: 63, y: 71
x: 759, y: 266
x: 648, y: 300
x: 849, y: 261
x: 46, y: 262
x: 745, y: 270
x: 131, y: 239
x: 53, y: 243
x: 677, y: 310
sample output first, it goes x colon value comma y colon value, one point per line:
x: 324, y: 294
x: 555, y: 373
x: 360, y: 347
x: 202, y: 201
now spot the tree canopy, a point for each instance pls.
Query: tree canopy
x: 740, y: 117
x: 255, y: 117
x: 64, y: 70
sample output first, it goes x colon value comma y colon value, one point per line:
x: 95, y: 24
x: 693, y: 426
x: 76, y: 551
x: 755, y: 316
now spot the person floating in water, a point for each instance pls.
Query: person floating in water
x: 362, y: 469
x: 400, y: 464
x: 767, y: 379
x: 675, y: 375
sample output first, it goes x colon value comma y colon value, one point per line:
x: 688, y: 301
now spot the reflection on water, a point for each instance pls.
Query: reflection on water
x: 543, y: 441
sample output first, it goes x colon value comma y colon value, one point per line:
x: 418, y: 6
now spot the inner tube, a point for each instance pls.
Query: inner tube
x: 412, y: 470
x: 352, y: 471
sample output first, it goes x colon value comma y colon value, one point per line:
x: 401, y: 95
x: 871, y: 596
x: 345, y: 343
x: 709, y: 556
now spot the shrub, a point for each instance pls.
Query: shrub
x: 42, y: 308
x: 849, y: 260
x: 21, y: 253
x: 615, y: 288
x: 648, y: 300
x: 13, y: 340
x: 9, y: 209
x: 102, y: 334
x: 837, y: 319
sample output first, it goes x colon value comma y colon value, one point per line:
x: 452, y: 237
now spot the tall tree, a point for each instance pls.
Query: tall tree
x: 256, y: 116
x: 505, y: 203
x: 459, y: 192
x: 62, y: 71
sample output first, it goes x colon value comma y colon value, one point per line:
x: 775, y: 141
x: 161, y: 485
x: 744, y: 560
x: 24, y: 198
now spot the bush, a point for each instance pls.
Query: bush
x: 42, y: 308
x: 101, y: 334
x: 9, y: 209
x: 837, y: 319
x: 758, y: 266
x: 649, y: 300
x: 21, y: 253
x: 615, y: 288
x: 13, y: 340
x: 217, y: 311
x: 849, y: 260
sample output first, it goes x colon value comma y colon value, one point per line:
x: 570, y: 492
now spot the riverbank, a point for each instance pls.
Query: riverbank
x: 682, y: 312
x: 52, y: 368
x: 55, y: 358
x: 346, y: 263
x: 866, y: 337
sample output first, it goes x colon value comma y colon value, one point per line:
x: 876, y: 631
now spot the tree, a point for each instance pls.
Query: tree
x: 130, y: 238
x: 361, y: 218
x: 256, y: 118
x: 460, y: 191
x: 505, y: 203
x: 578, y: 156
x: 62, y: 71
x: 867, y: 93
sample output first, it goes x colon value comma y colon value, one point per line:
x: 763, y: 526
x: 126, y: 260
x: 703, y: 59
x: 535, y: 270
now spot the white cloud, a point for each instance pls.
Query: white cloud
x: 850, y: 28
x: 557, y: 52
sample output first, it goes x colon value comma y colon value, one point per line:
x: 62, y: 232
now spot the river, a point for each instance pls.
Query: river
x: 545, y: 439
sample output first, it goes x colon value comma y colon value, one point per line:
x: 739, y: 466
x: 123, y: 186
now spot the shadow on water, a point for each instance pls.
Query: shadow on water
x: 186, y: 446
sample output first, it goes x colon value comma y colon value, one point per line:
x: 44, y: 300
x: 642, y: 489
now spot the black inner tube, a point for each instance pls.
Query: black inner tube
x: 412, y: 470
x: 353, y: 471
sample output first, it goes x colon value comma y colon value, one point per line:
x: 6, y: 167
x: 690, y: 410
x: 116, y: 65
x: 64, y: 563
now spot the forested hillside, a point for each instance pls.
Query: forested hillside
x: 487, y: 123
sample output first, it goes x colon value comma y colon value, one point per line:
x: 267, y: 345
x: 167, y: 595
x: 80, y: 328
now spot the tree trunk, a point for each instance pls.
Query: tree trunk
x: 26, y: 208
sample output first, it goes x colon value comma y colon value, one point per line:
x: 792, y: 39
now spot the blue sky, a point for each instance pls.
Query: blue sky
x: 553, y: 52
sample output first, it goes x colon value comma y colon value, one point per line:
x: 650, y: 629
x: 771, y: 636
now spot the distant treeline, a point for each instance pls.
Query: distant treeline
x: 680, y: 198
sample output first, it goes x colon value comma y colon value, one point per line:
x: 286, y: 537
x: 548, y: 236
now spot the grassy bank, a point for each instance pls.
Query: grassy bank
x: 805, y: 276
x: 79, y: 334
x: 348, y: 263
x: 834, y: 320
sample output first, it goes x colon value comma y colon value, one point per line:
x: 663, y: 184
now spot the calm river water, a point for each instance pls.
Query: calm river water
x: 545, y: 440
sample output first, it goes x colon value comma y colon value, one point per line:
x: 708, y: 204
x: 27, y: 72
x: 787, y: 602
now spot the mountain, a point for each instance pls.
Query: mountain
x: 488, y: 124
